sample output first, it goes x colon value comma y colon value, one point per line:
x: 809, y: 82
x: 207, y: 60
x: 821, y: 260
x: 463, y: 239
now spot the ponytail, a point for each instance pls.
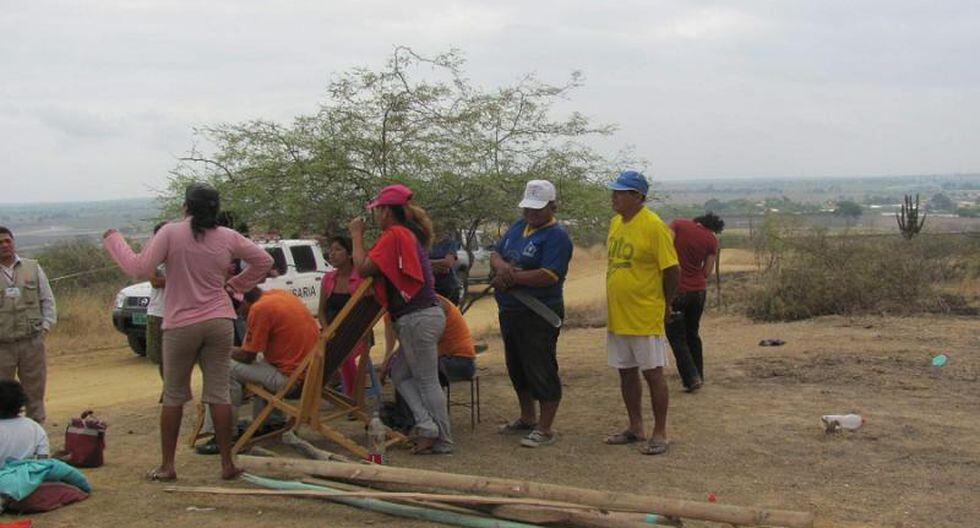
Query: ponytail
x: 416, y: 220
x: 203, y: 204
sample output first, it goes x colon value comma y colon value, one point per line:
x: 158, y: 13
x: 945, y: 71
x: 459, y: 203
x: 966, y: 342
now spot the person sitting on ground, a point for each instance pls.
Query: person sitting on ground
x: 20, y: 437
x: 30, y: 481
x: 281, y: 329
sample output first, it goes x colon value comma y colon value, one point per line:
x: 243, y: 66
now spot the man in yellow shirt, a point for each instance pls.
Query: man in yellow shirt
x: 641, y: 279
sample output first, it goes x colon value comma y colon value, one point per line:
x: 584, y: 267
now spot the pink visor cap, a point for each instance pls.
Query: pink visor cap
x: 391, y: 195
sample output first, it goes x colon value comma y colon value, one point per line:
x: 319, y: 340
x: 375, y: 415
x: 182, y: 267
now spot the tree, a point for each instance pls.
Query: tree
x: 941, y: 202
x: 466, y: 151
x: 848, y: 209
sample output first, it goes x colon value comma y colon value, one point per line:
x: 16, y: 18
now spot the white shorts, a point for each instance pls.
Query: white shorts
x: 628, y: 351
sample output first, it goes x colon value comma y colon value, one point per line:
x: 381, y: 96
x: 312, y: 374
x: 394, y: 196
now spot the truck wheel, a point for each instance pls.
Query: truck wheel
x: 137, y: 343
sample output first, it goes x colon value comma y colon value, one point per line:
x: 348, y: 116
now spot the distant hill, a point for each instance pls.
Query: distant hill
x: 39, y: 224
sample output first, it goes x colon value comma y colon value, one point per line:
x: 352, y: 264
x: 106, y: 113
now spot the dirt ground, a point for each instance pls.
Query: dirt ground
x: 752, y: 436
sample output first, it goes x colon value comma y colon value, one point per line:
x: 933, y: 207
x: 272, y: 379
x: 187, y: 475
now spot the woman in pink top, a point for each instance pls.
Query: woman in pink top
x: 336, y: 289
x: 197, y: 319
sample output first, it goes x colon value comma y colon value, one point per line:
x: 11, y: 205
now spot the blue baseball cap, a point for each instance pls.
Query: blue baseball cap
x: 630, y: 181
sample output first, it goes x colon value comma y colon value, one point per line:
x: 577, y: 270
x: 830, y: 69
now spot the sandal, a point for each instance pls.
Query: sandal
x: 654, y: 447
x: 623, y: 438
x: 518, y: 426
x: 157, y: 475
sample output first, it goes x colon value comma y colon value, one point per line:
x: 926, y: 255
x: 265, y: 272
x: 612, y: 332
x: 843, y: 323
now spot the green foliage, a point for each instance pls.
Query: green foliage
x: 78, y: 264
x: 771, y: 239
x: 941, y: 202
x: 968, y: 212
x: 466, y: 151
x: 743, y: 206
x: 848, y: 209
x: 828, y: 275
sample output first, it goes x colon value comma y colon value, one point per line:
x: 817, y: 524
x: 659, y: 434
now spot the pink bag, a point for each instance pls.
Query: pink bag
x: 85, y: 441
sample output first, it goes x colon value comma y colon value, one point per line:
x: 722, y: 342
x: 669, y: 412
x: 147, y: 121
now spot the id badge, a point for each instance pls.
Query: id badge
x: 12, y: 292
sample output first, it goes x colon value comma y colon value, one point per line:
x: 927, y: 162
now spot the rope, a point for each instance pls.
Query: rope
x: 81, y: 273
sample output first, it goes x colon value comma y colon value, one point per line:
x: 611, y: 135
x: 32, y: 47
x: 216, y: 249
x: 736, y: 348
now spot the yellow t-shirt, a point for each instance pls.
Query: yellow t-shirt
x: 639, y: 251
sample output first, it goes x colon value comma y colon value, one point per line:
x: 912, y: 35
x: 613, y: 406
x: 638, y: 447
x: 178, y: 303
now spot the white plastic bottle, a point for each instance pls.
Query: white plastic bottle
x: 836, y: 422
x: 377, y: 438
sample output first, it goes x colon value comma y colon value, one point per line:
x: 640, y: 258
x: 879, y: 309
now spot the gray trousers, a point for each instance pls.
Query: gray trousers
x: 259, y: 372
x: 416, y: 372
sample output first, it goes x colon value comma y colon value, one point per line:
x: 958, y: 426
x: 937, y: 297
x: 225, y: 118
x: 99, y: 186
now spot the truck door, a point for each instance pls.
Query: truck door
x: 306, y: 282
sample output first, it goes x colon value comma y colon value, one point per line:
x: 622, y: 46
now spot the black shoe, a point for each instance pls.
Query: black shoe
x: 208, y: 448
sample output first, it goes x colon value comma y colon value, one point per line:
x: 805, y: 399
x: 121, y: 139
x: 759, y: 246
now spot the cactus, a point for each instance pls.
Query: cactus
x: 909, y: 222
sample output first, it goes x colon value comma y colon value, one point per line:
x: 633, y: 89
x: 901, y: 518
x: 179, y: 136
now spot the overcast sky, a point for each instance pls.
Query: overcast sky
x: 97, y: 98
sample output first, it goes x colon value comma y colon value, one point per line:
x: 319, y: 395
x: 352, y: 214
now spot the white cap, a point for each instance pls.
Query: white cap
x: 537, y: 194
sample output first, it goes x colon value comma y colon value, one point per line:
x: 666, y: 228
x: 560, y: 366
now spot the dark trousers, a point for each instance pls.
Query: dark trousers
x: 454, y: 368
x: 682, y: 332
x: 531, y: 353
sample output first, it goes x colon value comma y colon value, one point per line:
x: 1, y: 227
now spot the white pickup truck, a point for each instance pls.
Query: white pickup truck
x: 300, y: 266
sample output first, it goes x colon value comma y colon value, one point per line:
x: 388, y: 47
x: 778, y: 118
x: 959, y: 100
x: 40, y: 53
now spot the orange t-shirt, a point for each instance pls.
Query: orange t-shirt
x: 456, y: 339
x: 280, y: 326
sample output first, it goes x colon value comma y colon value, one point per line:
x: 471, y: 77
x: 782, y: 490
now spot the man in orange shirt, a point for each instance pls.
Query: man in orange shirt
x: 281, y: 329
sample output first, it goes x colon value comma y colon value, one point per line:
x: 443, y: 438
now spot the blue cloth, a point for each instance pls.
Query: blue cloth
x: 548, y: 247
x: 19, y: 478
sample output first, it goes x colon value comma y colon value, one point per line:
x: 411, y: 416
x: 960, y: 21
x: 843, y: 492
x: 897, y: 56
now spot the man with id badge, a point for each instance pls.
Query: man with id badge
x: 27, y: 313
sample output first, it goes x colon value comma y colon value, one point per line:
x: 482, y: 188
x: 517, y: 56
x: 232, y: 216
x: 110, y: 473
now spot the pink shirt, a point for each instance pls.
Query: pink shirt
x: 197, y: 271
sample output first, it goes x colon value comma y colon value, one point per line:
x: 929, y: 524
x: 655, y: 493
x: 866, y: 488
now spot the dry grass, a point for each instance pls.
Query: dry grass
x: 85, y: 321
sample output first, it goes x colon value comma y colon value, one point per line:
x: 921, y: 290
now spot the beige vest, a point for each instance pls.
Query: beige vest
x: 20, y: 317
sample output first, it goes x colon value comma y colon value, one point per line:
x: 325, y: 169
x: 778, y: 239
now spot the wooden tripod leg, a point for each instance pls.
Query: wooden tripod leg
x: 198, y: 424
x: 342, y: 440
x: 252, y: 429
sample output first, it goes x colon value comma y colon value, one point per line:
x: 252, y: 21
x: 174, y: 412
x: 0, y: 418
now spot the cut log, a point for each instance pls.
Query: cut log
x: 579, y: 518
x: 517, y: 488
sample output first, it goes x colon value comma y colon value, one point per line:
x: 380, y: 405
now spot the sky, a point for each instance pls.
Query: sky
x: 99, y: 98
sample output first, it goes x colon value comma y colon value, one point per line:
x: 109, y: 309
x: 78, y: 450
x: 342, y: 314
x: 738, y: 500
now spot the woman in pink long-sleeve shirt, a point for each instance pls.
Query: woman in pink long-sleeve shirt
x: 197, y: 319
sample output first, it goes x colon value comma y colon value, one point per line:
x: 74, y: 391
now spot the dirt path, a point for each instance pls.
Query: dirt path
x: 752, y: 436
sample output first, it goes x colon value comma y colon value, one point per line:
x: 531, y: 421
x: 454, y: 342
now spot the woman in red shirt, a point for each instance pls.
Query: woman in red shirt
x: 401, y: 257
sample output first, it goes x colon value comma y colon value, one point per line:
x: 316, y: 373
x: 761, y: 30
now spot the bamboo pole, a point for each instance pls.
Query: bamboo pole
x: 387, y: 495
x: 346, y: 486
x: 398, y: 510
x: 528, y: 513
x: 517, y: 488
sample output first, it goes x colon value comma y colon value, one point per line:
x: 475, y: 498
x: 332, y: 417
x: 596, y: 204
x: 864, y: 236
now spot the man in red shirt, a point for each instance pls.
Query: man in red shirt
x: 281, y: 328
x: 696, y: 243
